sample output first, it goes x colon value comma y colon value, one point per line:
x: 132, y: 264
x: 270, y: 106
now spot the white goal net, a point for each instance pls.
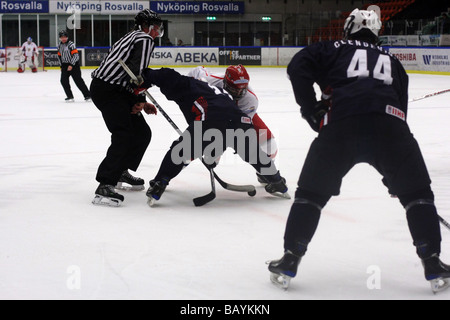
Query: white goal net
x: 10, y: 58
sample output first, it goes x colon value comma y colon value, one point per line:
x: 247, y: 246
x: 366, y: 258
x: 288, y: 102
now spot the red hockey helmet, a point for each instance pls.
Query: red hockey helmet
x: 236, y: 81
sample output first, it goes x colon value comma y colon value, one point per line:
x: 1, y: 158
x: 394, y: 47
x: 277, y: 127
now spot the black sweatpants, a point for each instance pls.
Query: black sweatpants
x: 75, y: 73
x: 209, y: 139
x: 385, y: 143
x: 130, y: 133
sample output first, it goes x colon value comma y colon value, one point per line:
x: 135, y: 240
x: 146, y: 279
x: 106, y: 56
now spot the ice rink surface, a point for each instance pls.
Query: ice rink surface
x: 54, y: 244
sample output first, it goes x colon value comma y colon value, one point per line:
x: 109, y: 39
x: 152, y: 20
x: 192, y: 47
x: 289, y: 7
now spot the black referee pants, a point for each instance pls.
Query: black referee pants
x: 76, y: 76
x: 130, y: 133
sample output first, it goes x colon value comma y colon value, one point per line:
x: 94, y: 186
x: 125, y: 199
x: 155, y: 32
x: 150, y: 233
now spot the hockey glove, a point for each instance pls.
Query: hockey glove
x: 320, y: 110
x: 139, y: 85
x: 139, y: 90
x: 315, y: 117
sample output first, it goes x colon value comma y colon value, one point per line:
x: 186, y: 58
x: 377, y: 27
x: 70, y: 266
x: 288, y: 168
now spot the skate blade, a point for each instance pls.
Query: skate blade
x: 439, y: 284
x: 151, y: 201
x: 280, y: 280
x: 281, y: 195
x: 105, y: 201
x: 127, y: 187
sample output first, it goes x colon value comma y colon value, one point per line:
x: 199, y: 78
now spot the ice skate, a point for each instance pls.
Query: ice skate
x: 128, y: 182
x: 155, y: 191
x: 87, y: 99
x: 278, y: 189
x: 261, y: 179
x: 283, y: 270
x: 69, y: 100
x: 437, y: 273
x: 105, y: 195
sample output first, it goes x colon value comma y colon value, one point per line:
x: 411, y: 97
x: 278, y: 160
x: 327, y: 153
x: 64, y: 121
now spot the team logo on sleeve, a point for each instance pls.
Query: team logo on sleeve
x: 246, y: 120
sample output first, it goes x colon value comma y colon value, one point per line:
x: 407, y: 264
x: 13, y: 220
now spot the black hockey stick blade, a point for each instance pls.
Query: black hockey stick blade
x: 250, y: 189
x: 201, y: 201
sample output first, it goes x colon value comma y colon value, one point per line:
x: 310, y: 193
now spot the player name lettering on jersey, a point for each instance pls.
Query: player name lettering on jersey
x: 364, y: 44
x: 393, y: 111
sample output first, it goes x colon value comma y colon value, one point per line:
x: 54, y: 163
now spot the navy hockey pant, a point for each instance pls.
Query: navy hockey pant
x: 197, y: 144
x: 385, y: 143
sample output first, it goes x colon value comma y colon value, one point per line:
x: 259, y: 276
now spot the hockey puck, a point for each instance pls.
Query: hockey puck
x: 252, y: 193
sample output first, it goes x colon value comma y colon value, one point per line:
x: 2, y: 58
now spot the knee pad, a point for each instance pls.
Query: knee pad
x: 417, y: 202
x: 315, y: 199
x: 408, y: 200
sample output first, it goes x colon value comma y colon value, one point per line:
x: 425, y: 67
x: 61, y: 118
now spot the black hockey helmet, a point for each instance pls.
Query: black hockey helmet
x: 63, y: 33
x: 148, y: 19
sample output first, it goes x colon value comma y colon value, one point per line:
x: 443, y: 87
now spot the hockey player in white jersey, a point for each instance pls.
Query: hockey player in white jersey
x: 28, y: 54
x: 236, y: 82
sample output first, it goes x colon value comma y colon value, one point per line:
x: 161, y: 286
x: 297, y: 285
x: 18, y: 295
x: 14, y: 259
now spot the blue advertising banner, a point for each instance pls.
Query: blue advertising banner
x: 98, y: 7
x: 17, y: 6
x: 199, y: 7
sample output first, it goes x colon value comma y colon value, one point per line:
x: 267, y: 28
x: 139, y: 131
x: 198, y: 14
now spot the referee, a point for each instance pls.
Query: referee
x: 69, y: 59
x: 121, y: 108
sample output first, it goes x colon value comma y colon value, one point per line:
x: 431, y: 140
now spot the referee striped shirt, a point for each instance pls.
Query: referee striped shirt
x: 135, y: 49
x: 68, y: 53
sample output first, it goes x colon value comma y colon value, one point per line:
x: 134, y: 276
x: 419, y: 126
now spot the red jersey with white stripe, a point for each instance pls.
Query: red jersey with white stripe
x: 248, y: 103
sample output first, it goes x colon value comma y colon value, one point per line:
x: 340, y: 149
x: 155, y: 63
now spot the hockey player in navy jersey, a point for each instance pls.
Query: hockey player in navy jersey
x: 209, y: 111
x: 361, y: 118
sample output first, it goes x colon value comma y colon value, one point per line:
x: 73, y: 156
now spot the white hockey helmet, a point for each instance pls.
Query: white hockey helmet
x: 362, y: 19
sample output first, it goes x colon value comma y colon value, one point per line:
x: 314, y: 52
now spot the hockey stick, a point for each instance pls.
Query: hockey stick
x: 445, y: 223
x: 200, y: 201
x: 429, y: 95
x: 250, y: 189
x: 210, y: 196
x: 134, y: 78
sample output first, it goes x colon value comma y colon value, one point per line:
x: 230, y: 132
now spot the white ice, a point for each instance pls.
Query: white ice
x: 54, y: 244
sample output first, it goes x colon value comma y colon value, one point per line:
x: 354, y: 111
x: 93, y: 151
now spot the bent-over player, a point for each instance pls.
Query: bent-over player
x: 236, y: 81
x: 207, y: 110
